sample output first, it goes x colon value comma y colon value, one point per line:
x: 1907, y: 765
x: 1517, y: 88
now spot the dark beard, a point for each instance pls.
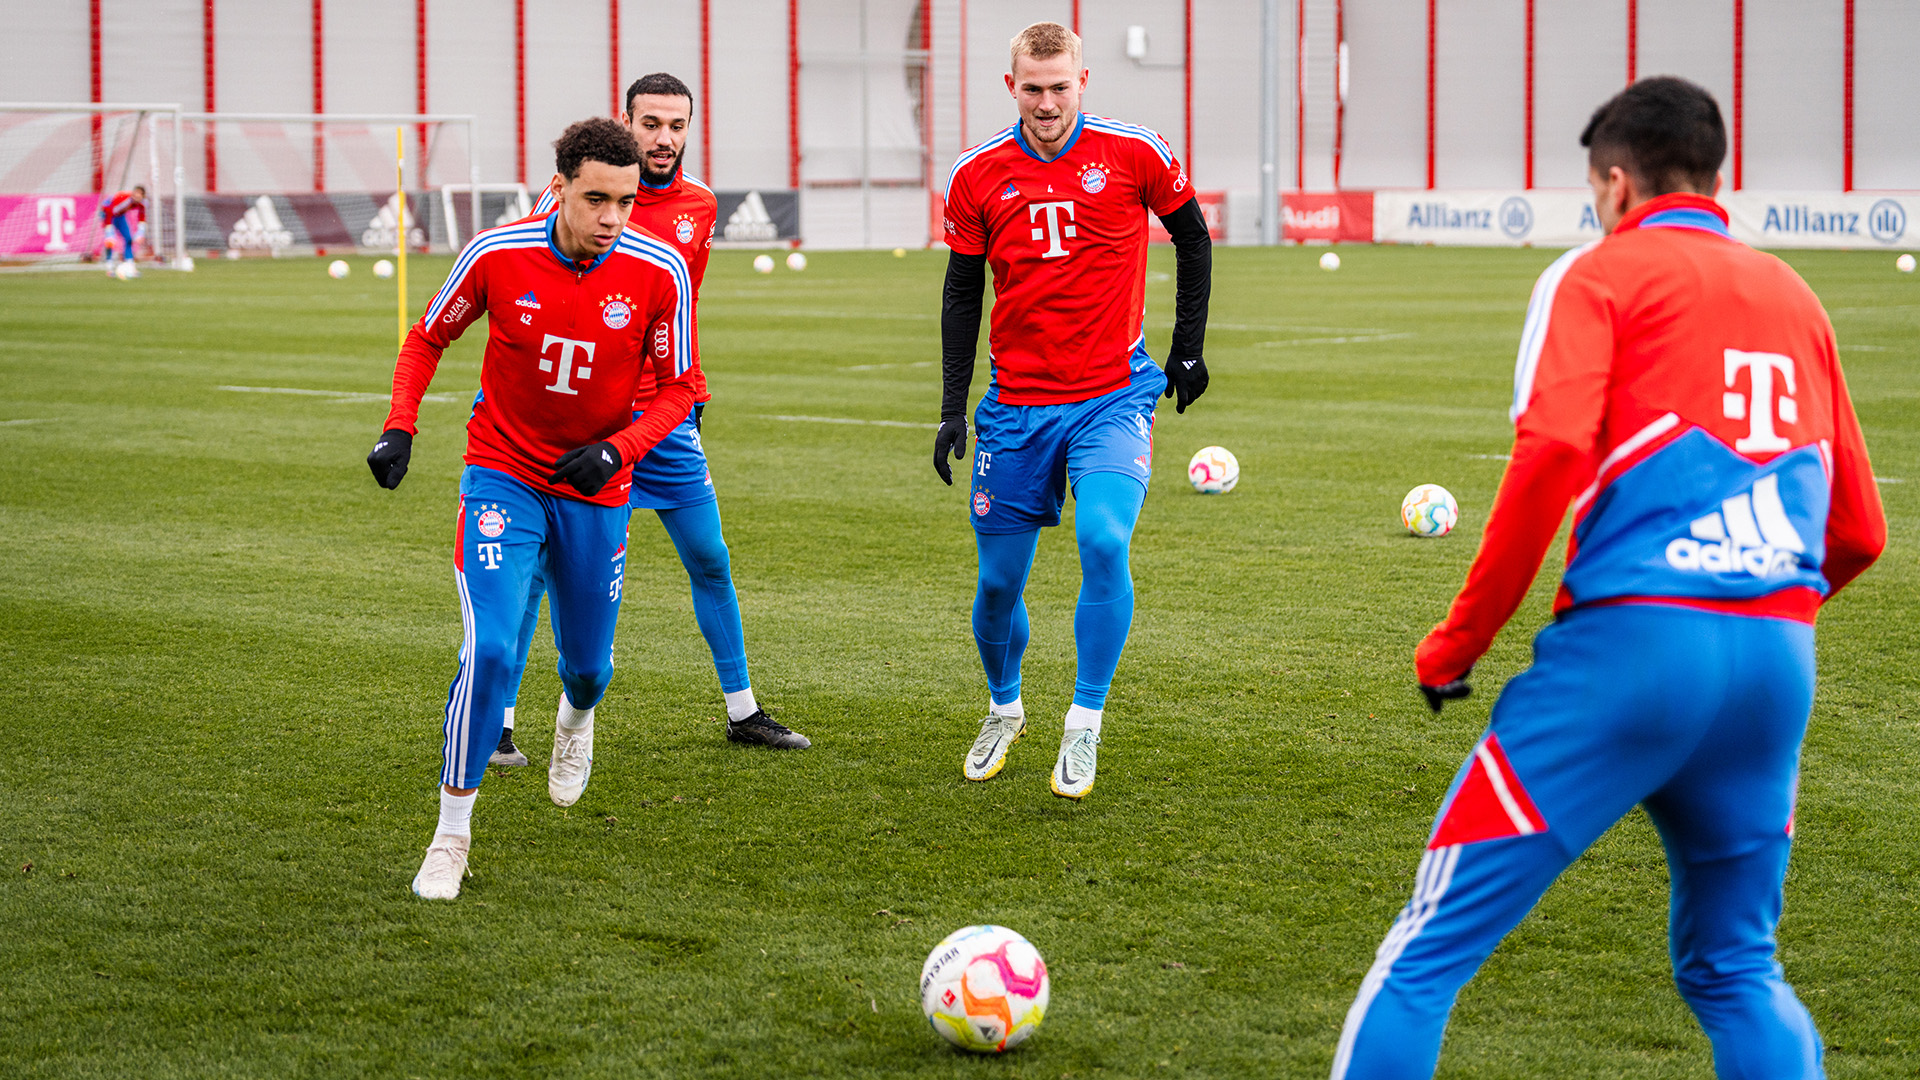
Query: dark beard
x: 659, y: 179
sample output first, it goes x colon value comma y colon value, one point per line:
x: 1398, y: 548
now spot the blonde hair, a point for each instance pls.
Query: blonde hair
x: 1045, y: 39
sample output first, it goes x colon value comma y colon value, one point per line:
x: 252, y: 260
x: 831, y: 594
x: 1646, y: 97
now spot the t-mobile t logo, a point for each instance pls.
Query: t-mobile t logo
x: 1759, y: 407
x: 55, y: 219
x: 1054, y: 231
x: 568, y: 369
x: 490, y: 554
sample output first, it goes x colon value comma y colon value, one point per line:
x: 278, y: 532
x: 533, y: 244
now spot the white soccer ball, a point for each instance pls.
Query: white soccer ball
x: 126, y: 271
x: 1904, y: 264
x: 984, y: 989
x: 1429, y: 510
x: 796, y: 261
x: 1329, y: 261
x: 1214, y: 470
x: 383, y: 269
x: 184, y: 262
x: 763, y: 264
x: 338, y: 269
x: 899, y: 253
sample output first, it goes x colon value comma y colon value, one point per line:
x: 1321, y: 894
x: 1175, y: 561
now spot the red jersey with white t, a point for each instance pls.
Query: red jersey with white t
x: 1683, y: 391
x: 123, y: 203
x: 682, y: 213
x: 1067, y: 240
x: 566, y: 344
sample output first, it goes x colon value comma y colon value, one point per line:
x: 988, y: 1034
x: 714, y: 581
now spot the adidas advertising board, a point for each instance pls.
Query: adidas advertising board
x: 759, y: 216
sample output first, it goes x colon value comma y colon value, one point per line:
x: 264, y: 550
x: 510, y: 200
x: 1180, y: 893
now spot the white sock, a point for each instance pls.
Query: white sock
x: 571, y: 718
x: 509, y: 724
x: 1012, y: 708
x: 740, y: 704
x: 1078, y: 717
x: 456, y: 814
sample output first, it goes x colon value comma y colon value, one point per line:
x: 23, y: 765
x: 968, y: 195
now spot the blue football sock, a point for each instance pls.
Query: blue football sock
x: 999, y: 612
x: 1106, y: 506
x: 695, y: 531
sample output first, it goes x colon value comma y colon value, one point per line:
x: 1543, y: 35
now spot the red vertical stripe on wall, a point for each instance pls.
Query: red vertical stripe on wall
x: 793, y: 94
x: 1076, y: 16
x: 934, y: 231
x: 1339, y: 97
x: 93, y: 84
x: 1530, y: 14
x: 1846, y: 168
x: 1186, y: 76
x: 319, y: 94
x: 706, y: 87
x: 209, y: 102
x: 520, y: 90
x: 613, y: 57
x: 420, y: 89
x: 1739, y: 88
x: 1432, y: 26
x: 1300, y: 96
x: 1633, y: 40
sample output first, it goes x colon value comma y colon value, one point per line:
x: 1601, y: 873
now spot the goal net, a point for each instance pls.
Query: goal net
x: 61, y: 163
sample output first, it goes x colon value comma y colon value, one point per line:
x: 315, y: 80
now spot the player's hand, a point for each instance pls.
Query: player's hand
x: 698, y: 408
x: 390, y: 456
x: 1447, y: 691
x: 587, y: 468
x: 1187, y: 378
x: 951, y: 439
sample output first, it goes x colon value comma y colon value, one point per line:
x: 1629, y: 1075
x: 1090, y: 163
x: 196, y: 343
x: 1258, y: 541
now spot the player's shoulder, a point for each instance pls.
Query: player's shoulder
x: 697, y: 189
x: 637, y: 243
x: 986, y: 148
x: 1108, y: 128
x: 525, y: 233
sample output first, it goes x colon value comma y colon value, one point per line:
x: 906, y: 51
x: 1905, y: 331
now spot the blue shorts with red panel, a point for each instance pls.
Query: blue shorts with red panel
x: 674, y: 473
x: 1695, y: 715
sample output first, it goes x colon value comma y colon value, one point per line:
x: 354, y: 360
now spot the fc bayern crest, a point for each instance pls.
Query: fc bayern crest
x: 982, y: 502
x: 616, y: 314
x: 1093, y: 180
x: 492, y: 523
x: 683, y: 231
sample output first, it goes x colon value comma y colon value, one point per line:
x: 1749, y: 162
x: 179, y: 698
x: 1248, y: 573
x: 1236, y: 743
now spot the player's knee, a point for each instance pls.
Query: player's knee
x: 1104, y: 546
x: 707, y: 561
x: 586, y: 685
x: 999, y: 586
x: 494, y: 655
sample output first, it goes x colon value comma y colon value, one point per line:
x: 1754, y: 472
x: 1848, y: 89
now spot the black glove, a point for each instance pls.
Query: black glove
x: 951, y: 439
x: 698, y: 407
x: 1188, y: 378
x: 390, y: 456
x: 587, y: 468
x: 1437, y: 695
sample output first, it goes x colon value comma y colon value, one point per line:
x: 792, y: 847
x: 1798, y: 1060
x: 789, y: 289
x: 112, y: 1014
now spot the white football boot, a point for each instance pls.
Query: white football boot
x: 989, y: 753
x: 443, y: 868
x: 572, y: 761
x: 1073, y: 770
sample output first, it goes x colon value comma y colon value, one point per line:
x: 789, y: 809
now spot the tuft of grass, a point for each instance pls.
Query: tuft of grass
x: 223, y: 654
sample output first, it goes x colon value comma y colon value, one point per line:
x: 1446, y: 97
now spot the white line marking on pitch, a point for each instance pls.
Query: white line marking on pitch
x: 1355, y: 339
x: 845, y: 420
x: 13, y: 423
x: 1888, y: 480
x: 1490, y: 457
x: 338, y: 396
x: 879, y: 367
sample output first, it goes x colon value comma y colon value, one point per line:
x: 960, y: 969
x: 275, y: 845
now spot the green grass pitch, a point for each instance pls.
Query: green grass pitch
x: 224, y: 651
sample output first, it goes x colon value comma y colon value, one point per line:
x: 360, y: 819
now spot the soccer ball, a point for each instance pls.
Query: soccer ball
x: 796, y: 261
x: 984, y: 989
x: 383, y: 269
x: 1904, y: 264
x: 126, y: 271
x: 1429, y: 510
x: 763, y: 264
x: 1214, y: 470
x: 338, y: 269
x: 1329, y: 261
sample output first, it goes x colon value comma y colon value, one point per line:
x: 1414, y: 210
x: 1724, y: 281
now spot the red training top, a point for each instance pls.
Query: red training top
x: 123, y: 202
x: 1067, y: 240
x: 566, y: 344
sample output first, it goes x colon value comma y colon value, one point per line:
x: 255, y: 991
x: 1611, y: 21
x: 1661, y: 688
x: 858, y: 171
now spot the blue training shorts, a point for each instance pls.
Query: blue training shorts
x: 1027, y: 455
x: 674, y: 474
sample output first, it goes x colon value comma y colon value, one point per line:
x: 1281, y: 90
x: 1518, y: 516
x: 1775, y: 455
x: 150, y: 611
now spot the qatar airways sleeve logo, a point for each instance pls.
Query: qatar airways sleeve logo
x: 1762, y: 402
x: 1053, y: 231
x: 568, y: 368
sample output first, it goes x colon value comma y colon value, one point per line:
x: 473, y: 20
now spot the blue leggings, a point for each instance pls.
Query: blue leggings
x: 695, y: 531
x: 1106, y: 506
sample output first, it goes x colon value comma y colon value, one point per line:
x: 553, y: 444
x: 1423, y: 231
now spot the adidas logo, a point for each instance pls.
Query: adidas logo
x: 260, y: 227
x: 1011, y: 192
x: 750, y: 220
x: 383, y: 231
x: 1749, y: 534
x: 529, y: 301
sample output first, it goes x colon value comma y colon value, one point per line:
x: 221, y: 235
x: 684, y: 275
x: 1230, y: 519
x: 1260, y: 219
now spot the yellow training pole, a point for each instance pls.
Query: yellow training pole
x: 400, y: 229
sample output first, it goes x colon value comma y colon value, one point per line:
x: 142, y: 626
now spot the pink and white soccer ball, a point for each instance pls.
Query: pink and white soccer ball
x: 1429, y: 510
x: 1214, y: 470
x: 984, y: 989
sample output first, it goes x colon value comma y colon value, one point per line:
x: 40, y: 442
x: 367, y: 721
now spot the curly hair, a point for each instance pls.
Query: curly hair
x: 658, y: 83
x: 601, y: 139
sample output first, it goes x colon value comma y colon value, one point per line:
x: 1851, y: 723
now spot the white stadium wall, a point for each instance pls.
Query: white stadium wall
x: 933, y: 84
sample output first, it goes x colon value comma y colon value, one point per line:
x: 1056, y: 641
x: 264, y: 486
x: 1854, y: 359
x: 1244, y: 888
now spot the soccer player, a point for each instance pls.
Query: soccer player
x: 673, y: 480
x: 119, y: 215
x: 1058, y: 205
x: 576, y: 307
x: 1683, y: 393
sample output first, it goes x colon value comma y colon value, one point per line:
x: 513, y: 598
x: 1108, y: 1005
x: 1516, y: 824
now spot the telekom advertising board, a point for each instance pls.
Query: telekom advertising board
x: 48, y: 224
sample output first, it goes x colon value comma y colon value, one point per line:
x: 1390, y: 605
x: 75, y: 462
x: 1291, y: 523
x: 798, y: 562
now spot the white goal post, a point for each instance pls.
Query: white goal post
x: 60, y: 162
x: 518, y: 203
